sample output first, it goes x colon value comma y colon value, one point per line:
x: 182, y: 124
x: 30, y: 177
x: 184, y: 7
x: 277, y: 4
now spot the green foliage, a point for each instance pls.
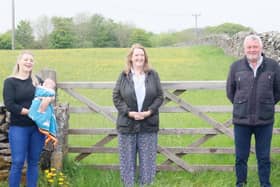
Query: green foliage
x: 82, y: 32
x: 53, y: 178
x: 140, y: 36
x: 105, y: 64
x: 185, y: 35
x: 6, y: 41
x: 62, y: 35
x: 227, y: 28
x: 171, y: 38
x: 123, y: 33
x: 42, y: 29
x: 87, y: 31
x: 24, y: 35
x: 163, y: 39
x: 102, y: 32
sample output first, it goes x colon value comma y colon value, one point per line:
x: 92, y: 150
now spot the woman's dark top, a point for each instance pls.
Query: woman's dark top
x: 18, y: 94
x: 125, y: 100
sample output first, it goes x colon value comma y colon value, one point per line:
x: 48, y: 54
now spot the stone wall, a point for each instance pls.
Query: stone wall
x: 234, y: 45
x: 5, y: 153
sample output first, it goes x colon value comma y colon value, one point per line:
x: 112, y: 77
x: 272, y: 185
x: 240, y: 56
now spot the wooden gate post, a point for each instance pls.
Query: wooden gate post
x: 61, y: 150
x: 62, y: 117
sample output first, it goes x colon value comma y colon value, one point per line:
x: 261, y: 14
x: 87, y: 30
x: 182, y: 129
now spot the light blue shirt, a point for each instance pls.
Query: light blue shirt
x: 140, y: 89
x: 257, y: 66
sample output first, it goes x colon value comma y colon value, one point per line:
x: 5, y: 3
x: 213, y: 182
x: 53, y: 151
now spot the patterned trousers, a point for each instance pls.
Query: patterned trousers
x: 145, y: 144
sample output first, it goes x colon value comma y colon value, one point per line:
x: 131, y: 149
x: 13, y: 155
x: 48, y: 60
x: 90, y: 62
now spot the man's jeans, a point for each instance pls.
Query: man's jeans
x: 263, y: 135
x: 25, y: 142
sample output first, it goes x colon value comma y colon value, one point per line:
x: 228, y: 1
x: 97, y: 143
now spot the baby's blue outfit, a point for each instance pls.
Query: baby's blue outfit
x: 45, y: 120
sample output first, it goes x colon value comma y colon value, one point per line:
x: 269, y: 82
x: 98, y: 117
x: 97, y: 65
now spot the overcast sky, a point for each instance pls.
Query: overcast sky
x: 153, y: 15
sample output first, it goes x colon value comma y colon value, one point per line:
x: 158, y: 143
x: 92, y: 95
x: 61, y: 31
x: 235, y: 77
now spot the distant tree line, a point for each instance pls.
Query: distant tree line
x: 96, y: 31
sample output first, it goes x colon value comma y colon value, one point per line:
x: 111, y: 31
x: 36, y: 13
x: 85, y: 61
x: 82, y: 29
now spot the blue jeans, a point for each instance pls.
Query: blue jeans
x: 25, y: 143
x: 263, y: 135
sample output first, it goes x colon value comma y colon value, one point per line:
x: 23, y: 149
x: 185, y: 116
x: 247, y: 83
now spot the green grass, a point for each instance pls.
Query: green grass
x: 173, y: 64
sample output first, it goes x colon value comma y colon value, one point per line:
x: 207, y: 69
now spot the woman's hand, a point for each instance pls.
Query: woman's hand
x: 136, y: 115
x: 139, y: 115
x: 24, y: 111
x: 146, y: 114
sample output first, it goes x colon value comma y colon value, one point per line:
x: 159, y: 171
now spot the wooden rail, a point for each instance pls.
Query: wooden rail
x: 172, y: 92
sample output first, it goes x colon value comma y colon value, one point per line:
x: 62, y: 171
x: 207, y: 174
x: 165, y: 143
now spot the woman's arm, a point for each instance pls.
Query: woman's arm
x: 158, y: 100
x: 118, y: 99
x: 9, y: 97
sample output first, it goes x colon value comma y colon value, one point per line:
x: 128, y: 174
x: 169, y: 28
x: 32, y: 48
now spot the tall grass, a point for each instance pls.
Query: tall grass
x: 173, y: 64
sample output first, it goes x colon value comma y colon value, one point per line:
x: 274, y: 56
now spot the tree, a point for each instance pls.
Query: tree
x: 62, y: 35
x: 163, y: 39
x: 24, y: 35
x: 82, y: 31
x: 102, y: 32
x: 140, y: 36
x: 6, y: 41
x: 42, y: 29
x: 227, y: 28
x: 123, y: 33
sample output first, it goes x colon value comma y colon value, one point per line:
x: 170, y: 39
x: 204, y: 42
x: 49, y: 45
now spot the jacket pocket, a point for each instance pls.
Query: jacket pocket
x: 124, y: 121
x: 266, y: 109
x: 153, y: 120
x: 240, y: 108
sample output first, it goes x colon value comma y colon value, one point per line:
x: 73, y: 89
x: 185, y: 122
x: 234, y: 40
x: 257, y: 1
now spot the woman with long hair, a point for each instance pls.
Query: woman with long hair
x: 26, y: 142
x: 137, y: 97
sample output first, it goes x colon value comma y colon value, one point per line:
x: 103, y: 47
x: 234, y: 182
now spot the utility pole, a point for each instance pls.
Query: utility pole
x: 196, y: 25
x: 13, y: 24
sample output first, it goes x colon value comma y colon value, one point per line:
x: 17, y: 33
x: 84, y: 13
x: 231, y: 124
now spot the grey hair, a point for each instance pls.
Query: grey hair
x: 253, y: 37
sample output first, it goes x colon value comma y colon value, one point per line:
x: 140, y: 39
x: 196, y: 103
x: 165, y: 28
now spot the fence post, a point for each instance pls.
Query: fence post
x: 61, y: 150
x: 62, y: 117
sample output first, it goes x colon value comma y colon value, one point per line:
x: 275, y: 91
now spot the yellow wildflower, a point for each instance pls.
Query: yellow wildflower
x: 53, y: 169
x: 50, y: 180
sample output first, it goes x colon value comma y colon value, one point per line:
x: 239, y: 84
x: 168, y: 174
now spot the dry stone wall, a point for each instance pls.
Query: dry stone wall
x: 234, y: 45
x: 5, y: 153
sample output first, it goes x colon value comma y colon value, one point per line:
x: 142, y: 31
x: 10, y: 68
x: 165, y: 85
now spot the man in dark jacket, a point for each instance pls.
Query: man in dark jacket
x: 253, y: 86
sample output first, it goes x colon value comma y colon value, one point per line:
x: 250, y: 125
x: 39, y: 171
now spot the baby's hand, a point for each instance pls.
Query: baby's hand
x: 44, y: 103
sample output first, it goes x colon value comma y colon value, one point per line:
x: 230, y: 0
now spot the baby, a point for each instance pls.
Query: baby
x: 41, y: 110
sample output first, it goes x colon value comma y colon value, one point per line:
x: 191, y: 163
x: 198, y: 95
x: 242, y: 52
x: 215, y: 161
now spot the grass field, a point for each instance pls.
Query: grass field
x: 194, y: 63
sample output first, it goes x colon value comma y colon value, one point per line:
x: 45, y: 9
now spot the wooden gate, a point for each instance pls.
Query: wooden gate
x: 172, y: 92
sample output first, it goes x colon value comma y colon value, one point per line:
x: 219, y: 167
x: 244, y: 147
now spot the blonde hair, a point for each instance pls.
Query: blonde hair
x: 129, y: 57
x: 16, y: 67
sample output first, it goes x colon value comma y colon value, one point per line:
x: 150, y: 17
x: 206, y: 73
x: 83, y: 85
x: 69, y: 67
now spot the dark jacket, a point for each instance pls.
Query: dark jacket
x: 253, y: 98
x: 124, y: 99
